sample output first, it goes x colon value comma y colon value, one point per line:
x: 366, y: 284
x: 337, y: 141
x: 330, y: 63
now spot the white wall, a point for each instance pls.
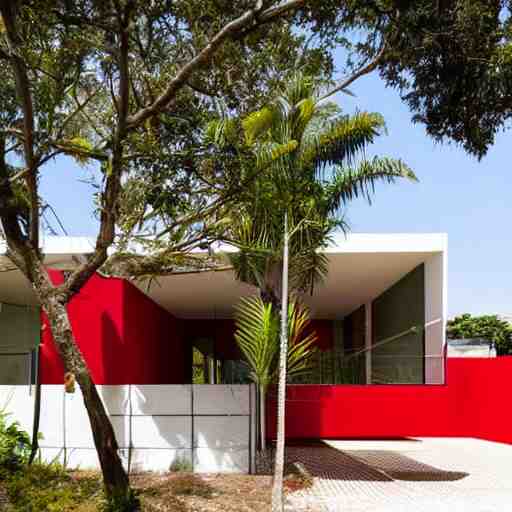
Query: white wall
x: 213, y: 427
x: 435, y: 317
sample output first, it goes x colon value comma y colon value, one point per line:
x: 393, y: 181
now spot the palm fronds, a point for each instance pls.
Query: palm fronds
x: 295, y: 139
x: 257, y: 335
x: 301, y: 345
x: 349, y: 183
x: 340, y: 140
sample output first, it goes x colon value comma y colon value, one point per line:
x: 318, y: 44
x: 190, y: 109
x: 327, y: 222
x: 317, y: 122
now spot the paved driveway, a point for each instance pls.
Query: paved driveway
x: 417, y: 475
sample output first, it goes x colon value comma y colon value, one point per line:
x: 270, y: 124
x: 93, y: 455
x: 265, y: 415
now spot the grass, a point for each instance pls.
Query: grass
x: 49, y: 488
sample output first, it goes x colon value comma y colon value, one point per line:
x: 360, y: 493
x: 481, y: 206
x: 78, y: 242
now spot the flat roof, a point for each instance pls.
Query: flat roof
x: 361, y: 267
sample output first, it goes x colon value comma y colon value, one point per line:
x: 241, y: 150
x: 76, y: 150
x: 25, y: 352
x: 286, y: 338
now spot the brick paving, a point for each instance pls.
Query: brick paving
x: 425, y: 475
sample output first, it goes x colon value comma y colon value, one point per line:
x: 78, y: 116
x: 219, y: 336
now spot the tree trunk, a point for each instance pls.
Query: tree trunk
x: 272, y: 286
x: 277, y: 486
x: 263, y: 415
x: 117, y: 486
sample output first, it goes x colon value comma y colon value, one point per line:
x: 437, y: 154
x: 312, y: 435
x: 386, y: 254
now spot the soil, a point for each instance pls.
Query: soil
x: 185, y: 492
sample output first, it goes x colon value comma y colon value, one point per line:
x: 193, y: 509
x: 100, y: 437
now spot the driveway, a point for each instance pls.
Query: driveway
x: 413, y: 475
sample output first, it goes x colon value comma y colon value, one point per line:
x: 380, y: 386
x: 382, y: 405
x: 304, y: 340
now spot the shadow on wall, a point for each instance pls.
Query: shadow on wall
x: 161, y: 426
x: 114, y: 353
x: 307, y: 410
x: 215, y: 438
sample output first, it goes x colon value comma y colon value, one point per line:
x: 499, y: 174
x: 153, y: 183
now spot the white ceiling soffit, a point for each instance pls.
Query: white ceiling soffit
x: 60, y: 252
x: 353, y: 279
x: 361, y: 266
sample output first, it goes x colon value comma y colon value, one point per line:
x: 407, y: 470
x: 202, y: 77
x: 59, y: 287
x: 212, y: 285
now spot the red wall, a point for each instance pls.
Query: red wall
x: 124, y: 336
x: 473, y: 403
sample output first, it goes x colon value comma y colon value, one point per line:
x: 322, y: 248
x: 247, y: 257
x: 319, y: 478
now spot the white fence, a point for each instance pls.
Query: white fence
x: 210, y: 426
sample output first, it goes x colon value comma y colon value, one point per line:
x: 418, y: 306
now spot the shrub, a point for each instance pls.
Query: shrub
x: 49, y: 488
x: 14, y: 446
x: 181, y: 465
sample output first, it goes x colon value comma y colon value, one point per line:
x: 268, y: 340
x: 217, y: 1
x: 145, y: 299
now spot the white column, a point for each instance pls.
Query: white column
x: 435, y: 317
x: 368, y: 341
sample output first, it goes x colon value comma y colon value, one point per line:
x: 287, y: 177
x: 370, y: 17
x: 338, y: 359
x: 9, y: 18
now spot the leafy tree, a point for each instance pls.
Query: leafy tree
x: 257, y: 335
x: 322, y: 168
x: 124, y: 87
x: 451, y: 60
x: 487, y: 327
x: 297, y: 203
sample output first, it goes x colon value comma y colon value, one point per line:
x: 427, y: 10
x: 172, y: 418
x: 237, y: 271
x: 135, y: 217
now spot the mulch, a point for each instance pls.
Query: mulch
x: 206, y: 493
x: 4, y: 500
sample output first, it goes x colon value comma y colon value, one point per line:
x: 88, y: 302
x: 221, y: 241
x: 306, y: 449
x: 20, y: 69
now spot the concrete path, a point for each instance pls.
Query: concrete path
x: 418, y: 475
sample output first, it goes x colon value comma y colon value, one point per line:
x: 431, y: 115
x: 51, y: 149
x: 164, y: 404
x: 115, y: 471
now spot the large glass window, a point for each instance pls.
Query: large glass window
x: 209, y: 367
x: 19, y: 339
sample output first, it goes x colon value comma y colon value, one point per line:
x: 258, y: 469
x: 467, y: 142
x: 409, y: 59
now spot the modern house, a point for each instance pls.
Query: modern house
x: 155, y: 350
x: 383, y: 291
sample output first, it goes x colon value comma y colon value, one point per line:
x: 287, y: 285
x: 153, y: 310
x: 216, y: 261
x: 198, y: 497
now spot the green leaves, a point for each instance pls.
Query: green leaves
x: 350, y: 183
x: 314, y: 164
x: 256, y: 123
x: 487, y: 327
x: 14, y: 445
x: 257, y: 335
x: 80, y: 149
x: 340, y: 140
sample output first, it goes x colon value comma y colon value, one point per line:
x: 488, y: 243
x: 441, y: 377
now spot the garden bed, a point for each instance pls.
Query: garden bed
x: 46, y: 488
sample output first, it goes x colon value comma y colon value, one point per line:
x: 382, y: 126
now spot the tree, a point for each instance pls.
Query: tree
x: 322, y: 168
x: 487, y: 327
x: 257, y: 335
x: 451, y: 60
x: 452, y: 63
x: 291, y: 210
x: 120, y: 86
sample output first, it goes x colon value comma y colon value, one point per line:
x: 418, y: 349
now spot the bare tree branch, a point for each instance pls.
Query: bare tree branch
x: 364, y: 70
x: 165, y: 262
x: 110, y: 196
x: 251, y: 16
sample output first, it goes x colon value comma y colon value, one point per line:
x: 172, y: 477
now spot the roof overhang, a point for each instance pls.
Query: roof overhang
x: 361, y: 267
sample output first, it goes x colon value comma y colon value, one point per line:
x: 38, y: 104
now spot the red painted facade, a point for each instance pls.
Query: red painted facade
x: 473, y: 403
x: 125, y: 337
x: 128, y: 339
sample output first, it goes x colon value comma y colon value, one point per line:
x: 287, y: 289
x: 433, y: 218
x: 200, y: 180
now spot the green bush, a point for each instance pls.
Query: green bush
x: 14, y: 446
x: 49, y: 488
x: 486, y: 327
x: 181, y: 465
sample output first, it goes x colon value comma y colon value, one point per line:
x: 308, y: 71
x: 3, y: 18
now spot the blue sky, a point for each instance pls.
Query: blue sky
x: 469, y: 200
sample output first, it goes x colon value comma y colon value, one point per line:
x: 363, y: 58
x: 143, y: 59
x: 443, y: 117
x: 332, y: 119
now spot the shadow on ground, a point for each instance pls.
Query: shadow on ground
x: 401, y: 467
x: 329, y: 463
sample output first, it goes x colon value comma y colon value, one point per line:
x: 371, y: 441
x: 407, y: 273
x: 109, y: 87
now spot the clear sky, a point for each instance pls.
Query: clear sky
x: 469, y: 200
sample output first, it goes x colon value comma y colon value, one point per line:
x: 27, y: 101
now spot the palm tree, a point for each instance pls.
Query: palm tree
x: 321, y: 166
x: 257, y: 335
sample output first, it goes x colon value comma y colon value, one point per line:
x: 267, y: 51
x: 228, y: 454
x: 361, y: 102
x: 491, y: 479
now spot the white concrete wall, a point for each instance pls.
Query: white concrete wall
x: 213, y: 427
x: 435, y: 317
